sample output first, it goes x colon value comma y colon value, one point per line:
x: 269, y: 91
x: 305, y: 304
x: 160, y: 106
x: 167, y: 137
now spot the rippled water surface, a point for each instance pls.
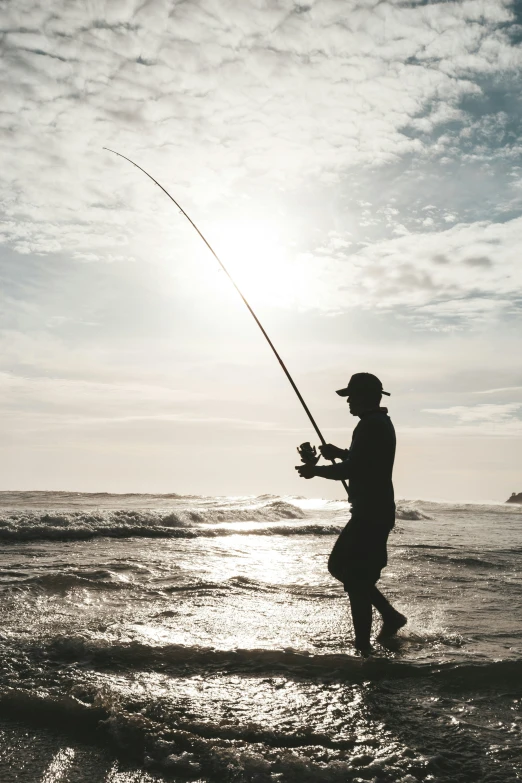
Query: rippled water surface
x: 186, y: 638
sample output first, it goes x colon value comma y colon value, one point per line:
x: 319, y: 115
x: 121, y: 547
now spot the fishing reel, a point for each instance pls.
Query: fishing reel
x: 308, y: 454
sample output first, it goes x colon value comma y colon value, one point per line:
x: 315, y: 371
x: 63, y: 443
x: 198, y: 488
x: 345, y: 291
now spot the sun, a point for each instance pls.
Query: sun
x: 259, y: 260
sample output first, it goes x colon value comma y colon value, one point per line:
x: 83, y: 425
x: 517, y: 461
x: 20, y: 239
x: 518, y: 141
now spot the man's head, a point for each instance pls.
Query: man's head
x: 364, y: 393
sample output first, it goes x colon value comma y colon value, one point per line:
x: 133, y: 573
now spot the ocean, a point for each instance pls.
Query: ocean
x: 174, y: 638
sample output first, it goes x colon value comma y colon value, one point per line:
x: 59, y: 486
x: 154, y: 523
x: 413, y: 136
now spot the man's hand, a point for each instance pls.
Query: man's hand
x: 306, y: 470
x: 329, y: 451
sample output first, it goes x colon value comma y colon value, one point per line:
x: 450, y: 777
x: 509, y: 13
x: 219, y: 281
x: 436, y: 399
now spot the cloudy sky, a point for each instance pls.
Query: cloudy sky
x: 357, y: 165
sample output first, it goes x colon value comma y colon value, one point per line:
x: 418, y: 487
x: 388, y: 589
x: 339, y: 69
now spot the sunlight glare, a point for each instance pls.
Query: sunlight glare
x: 260, y: 261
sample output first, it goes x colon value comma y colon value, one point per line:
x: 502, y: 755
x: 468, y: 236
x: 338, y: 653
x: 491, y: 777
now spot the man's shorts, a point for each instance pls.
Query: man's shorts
x: 360, y: 553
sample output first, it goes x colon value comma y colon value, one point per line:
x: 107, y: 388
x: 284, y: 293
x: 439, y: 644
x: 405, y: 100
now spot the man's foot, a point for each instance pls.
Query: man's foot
x: 363, y: 649
x: 391, y: 625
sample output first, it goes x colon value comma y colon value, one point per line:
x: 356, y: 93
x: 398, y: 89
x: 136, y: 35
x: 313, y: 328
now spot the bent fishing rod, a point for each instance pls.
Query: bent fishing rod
x: 252, y: 313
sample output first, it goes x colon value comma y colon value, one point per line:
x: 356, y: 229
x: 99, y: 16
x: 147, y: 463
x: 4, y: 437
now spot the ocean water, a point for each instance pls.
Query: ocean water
x: 152, y: 638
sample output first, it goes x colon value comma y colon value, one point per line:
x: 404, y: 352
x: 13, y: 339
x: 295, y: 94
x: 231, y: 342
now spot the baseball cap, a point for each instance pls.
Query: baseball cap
x: 361, y: 383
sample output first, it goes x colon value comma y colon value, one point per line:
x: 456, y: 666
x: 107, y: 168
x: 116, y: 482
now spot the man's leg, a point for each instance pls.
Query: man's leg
x: 362, y: 569
x: 361, y: 606
x: 392, y: 620
x: 338, y: 560
x: 381, y: 603
x: 357, y: 558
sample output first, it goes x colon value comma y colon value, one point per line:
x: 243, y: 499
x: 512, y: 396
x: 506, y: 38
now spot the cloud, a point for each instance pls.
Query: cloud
x: 427, y: 275
x: 30, y: 404
x: 375, y: 145
x: 213, y: 95
x: 503, y: 389
x: 486, y: 412
x: 494, y: 420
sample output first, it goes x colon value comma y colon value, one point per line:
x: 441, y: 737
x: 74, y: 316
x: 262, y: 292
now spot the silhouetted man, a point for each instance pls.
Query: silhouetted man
x: 360, y: 553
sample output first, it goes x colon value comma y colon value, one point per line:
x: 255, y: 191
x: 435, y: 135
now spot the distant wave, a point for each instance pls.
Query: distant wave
x: 50, y: 496
x: 474, y: 509
x: 66, y: 499
x: 479, y: 562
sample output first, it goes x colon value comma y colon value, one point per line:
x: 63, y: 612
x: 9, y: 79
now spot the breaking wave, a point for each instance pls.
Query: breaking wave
x: 183, y: 516
x: 264, y: 515
x: 85, y: 532
x: 405, y: 510
x: 181, y: 523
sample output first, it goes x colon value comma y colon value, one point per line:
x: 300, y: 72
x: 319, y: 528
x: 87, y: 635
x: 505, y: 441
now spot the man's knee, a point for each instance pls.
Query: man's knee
x: 336, y: 567
x: 361, y: 580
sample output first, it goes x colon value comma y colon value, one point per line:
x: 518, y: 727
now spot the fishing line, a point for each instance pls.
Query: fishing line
x: 252, y: 313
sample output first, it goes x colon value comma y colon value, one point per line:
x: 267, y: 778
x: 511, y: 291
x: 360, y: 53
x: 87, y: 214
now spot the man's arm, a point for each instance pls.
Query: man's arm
x: 337, y: 472
x: 329, y: 451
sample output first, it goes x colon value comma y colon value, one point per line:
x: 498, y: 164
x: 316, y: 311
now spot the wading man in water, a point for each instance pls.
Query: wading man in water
x: 360, y: 552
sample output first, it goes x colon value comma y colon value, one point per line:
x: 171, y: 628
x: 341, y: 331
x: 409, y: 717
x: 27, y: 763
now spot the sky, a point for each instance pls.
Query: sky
x: 357, y: 166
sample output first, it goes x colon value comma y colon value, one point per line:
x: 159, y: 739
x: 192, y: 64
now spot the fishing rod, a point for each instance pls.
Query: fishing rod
x: 252, y: 313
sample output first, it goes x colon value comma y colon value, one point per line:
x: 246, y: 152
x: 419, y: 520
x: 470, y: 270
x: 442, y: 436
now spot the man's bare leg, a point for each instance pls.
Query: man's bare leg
x: 361, y: 606
x: 392, y: 620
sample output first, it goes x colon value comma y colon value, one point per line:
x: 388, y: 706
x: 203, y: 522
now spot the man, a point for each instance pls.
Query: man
x: 360, y: 553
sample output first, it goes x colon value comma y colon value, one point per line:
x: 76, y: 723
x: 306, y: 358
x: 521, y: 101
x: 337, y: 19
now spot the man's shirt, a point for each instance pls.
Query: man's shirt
x: 368, y: 466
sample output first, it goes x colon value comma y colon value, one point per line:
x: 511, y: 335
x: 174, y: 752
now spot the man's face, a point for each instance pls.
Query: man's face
x: 359, y: 403
x: 355, y: 401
